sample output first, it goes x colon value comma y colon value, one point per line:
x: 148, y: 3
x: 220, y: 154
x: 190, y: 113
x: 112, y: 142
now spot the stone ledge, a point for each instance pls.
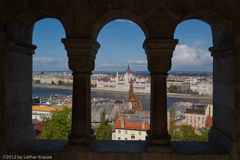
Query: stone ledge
x: 14, y: 139
x: 119, y: 147
x: 35, y: 146
x: 127, y: 150
x: 197, y: 148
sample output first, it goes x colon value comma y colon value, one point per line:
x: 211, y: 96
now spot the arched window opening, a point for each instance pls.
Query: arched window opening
x: 189, y: 84
x: 51, y: 83
x: 120, y: 84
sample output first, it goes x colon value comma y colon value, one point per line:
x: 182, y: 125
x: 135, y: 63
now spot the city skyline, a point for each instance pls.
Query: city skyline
x: 121, y: 45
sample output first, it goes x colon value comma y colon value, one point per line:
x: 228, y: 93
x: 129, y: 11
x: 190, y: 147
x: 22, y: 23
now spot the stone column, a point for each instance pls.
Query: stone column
x: 159, y: 54
x: 224, y: 95
x: 236, y: 146
x: 16, y: 93
x: 81, y: 54
x: 237, y: 50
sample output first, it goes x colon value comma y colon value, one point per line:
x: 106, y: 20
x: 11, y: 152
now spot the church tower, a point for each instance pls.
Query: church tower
x: 132, y: 98
x: 128, y: 74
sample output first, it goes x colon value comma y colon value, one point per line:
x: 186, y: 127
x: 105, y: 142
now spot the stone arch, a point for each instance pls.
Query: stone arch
x: 236, y: 24
x: 236, y: 33
x: 220, y: 26
x: 20, y: 27
x: 117, y: 14
x: 223, y: 64
x: 197, y: 19
x: 206, y: 16
x: 17, y: 58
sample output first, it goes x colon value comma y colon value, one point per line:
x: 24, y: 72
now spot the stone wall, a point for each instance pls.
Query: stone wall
x: 17, y: 94
x: 83, y: 20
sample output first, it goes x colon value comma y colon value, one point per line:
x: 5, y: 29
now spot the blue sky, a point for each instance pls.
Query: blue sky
x: 121, y: 45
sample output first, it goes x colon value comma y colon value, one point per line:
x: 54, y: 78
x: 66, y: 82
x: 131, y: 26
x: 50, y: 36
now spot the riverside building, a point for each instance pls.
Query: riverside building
x: 121, y: 82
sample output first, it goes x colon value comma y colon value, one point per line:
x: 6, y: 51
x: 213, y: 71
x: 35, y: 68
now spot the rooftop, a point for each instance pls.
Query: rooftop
x: 48, y: 108
x: 197, y: 109
x: 131, y: 124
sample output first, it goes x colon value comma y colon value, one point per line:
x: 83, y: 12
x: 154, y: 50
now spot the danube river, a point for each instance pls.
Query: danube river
x: 144, y: 99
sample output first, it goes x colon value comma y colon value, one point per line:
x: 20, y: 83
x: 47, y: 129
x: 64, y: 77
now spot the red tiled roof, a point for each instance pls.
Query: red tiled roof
x: 209, y: 122
x: 38, y: 127
x: 130, y: 125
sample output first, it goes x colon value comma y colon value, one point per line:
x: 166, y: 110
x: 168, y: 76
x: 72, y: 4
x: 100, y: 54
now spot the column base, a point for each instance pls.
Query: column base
x: 77, y: 148
x: 78, y: 144
x: 159, y: 140
x: 160, y: 148
x: 220, y: 138
x: 92, y: 136
x: 159, y: 144
x: 80, y: 140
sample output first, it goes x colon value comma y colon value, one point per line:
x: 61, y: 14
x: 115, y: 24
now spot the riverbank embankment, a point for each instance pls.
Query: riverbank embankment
x: 172, y: 95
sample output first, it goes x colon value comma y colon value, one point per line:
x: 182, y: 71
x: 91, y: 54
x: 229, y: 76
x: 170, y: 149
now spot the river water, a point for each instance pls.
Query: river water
x: 144, y: 99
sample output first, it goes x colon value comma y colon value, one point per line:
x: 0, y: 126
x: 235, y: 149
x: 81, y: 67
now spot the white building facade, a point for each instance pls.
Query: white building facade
x: 125, y: 134
x: 41, y: 115
x: 196, y: 117
x: 120, y: 82
x: 130, y: 128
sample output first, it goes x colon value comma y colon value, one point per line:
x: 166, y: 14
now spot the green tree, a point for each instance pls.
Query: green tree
x: 60, y: 82
x: 103, y: 117
x: 104, y: 131
x: 187, y: 133
x: 37, y: 81
x: 204, y: 135
x: 172, y: 88
x: 93, y: 85
x: 172, y: 114
x: 59, y: 126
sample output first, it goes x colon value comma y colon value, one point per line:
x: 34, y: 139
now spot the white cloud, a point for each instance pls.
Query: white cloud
x: 50, y: 63
x: 46, y: 59
x: 126, y: 21
x: 123, y: 21
x: 111, y: 65
x: 138, y: 62
x: 186, y: 56
x: 199, y: 43
x: 130, y: 62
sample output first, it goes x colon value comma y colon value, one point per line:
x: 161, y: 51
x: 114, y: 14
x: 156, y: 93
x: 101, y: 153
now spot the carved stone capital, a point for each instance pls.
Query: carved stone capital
x: 81, y: 54
x: 237, y: 40
x: 159, y: 54
x: 222, y: 51
x: 18, y: 47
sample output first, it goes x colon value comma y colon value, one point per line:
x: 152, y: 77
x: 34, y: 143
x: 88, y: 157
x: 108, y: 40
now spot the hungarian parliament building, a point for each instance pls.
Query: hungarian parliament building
x: 121, y: 82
